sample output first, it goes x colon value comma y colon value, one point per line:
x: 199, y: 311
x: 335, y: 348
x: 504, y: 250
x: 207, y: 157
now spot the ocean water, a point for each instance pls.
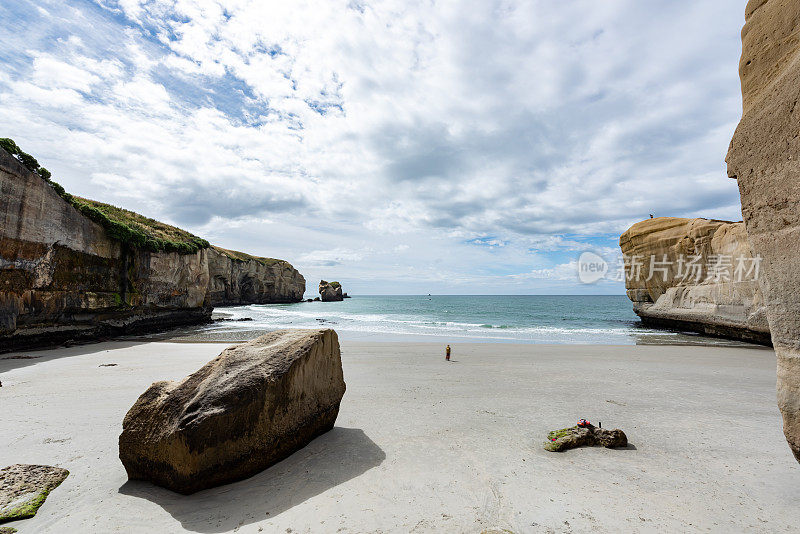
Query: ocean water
x: 512, y: 319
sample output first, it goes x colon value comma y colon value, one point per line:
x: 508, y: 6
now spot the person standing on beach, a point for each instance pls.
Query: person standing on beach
x: 447, y: 353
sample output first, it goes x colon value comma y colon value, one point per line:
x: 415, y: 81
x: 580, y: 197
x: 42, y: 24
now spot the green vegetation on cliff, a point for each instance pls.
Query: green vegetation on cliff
x: 138, y: 230
x: 126, y: 226
x: 241, y: 256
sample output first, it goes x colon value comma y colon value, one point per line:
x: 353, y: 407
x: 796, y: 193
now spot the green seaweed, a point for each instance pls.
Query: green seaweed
x: 28, y: 509
x: 554, y: 435
x: 25, y: 510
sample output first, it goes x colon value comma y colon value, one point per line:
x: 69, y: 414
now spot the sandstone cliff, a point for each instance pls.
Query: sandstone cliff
x: 76, y: 269
x: 62, y: 276
x: 238, y: 278
x: 764, y: 157
x: 695, y: 274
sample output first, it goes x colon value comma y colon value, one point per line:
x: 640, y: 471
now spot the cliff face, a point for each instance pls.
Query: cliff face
x: 695, y: 274
x: 237, y: 278
x: 764, y: 157
x: 62, y: 277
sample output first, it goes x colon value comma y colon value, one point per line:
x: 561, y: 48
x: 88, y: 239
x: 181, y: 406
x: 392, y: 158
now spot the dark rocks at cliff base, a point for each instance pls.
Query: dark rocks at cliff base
x: 250, y: 407
x: 24, y: 488
x: 588, y: 436
x: 330, y: 291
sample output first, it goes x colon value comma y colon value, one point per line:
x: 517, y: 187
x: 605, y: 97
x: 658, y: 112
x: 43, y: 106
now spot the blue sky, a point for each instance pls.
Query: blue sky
x: 399, y: 147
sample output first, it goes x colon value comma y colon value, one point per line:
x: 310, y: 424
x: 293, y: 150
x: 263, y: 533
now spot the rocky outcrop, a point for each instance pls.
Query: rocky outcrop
x: 585, y: 436
x: 62, y: 277
x: 252, y: 406
x: 764, y: 157
x: 24, y: 488
x: 697, y: 275
x: 330, y: 291
x: 238, y: 278
x: 77, y: 269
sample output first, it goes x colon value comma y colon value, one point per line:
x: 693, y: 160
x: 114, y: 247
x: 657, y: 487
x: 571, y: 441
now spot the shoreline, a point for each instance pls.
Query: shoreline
x: 422, y: 445
x: 444, y: 341
x: 668, y: 338
x: 388, y: 338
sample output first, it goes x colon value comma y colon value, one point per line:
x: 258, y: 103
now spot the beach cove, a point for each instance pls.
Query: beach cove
x: 422, y: 445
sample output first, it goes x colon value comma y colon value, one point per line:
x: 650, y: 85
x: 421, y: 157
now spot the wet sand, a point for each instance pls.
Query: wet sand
x: 422, y: 445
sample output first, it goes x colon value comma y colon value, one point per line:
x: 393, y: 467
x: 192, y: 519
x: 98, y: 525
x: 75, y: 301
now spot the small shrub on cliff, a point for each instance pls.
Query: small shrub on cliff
x: 28, y: 161
x: 9, y: 145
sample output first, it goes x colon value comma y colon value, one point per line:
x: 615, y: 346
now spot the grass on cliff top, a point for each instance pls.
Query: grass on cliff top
x: 123, y: 225
x: 138, y: 230
x: 242, y: 256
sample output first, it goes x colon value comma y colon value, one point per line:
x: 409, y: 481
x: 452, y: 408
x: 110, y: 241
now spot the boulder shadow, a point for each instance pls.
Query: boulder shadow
x: 329, y: 460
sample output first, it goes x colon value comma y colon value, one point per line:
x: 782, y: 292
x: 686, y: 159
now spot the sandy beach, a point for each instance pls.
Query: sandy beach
x: 422, y: 445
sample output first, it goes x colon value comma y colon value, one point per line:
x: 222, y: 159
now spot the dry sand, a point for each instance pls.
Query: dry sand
x: 422, y: 445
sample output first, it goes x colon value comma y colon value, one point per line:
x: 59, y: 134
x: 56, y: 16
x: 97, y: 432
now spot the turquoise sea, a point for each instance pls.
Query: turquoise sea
x: 462, y: 318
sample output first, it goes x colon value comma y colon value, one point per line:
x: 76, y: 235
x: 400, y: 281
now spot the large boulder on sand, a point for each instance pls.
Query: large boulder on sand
x: 330, y: 291
x: 764, y: 157
x: 253, y: 405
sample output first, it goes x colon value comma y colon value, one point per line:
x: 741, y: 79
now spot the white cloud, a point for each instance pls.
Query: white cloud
x: 471, y: 136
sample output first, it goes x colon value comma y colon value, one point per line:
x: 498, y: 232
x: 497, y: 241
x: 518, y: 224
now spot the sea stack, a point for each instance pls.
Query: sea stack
x: 764, y: 158
x: 330, y: 291
x: 250, y: 407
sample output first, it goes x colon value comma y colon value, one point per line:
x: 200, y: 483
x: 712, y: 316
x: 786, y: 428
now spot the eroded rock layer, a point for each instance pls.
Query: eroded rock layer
x: 238, y: 278
x: 764, y: 157
x: 250, y: 407
x: 62, y: 277
x: 697, y: 275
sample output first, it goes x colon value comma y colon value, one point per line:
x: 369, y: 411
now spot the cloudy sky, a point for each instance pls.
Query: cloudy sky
x: 397, y: 146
